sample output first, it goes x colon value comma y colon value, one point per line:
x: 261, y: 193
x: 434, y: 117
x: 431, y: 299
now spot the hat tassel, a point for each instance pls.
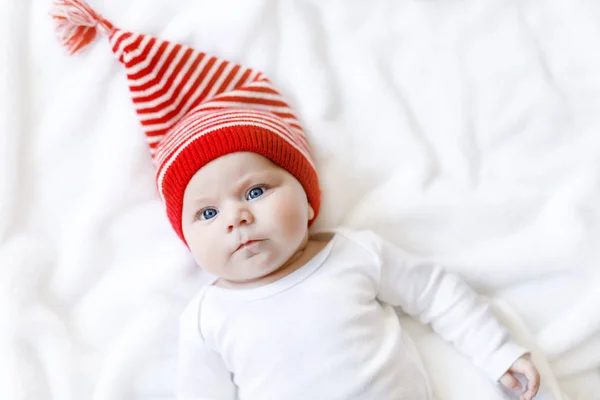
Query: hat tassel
x: 77, y: 24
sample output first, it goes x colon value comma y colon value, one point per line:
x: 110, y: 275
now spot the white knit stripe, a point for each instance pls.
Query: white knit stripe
x: 175, y: 135
x: 132, y: 54
x: 148, y: 77
x: 243, y: 82
x: 202, y: 121
x: 210, y: 117
x: 220, y: 79
x: 292, y: 121
x: 257, y: 94
x: 255, y: 106
x: 167, y: 97
x: 234, y: 81
x: 179, y: 53
x: 251, y: 78
x: 164, y: 166
x: 298, y: 132
x: 155, y: 138
x: 300, y: 138
x: 124, y: 43
x: 248, y: 93
x: 191, y: 100
x: 268, y: 85
x: 263, y: 83
x: 277, y: 110
x: 116, y: 36
x: 134, y: 69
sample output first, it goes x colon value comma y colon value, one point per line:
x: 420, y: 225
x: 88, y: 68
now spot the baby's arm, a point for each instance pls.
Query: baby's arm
x: 422, y: 289
x: 201, y: 373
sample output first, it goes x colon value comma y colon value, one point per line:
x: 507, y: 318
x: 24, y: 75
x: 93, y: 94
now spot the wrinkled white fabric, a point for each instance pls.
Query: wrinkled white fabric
x: 465, y: 131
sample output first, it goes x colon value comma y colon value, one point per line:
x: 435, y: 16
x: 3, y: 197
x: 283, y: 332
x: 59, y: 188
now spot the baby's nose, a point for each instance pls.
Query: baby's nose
x: 241, y: 217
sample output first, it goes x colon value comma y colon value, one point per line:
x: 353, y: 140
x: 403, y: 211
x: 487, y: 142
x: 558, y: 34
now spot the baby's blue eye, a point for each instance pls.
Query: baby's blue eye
x: 255, y: 192
x: 209, y: 213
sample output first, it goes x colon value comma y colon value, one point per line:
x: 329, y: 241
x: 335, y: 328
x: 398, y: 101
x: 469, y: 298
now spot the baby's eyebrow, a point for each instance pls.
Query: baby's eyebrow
x: 202, y: 200
x: 251, y: 177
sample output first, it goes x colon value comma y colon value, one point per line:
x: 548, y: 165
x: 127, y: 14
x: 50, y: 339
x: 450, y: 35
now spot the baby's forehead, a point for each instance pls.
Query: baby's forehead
x: 233, y: 168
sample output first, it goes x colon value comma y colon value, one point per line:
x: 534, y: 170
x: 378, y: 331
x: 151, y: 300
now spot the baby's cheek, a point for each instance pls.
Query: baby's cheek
x: 289, y: 218
x: 206, y: 251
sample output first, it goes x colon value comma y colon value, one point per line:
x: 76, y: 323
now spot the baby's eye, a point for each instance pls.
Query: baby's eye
x: 255, y: 192
x: 208, y: 213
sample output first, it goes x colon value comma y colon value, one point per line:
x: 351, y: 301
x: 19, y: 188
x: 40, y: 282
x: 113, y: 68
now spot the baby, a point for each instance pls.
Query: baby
x: 295, y: 316
x: 289, y: 315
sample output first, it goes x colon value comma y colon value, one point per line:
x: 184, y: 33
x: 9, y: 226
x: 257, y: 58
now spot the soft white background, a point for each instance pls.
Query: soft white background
x: 463, y: 130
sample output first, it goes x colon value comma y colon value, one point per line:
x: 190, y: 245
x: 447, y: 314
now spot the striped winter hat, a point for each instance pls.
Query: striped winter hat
x: 193, y: 107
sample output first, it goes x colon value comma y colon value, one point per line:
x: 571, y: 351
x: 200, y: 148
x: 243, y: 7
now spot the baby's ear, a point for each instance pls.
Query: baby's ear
x: 311, y: 213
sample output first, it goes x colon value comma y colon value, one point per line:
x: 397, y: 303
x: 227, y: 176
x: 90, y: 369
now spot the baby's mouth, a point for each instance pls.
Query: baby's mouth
x: 248, y: 244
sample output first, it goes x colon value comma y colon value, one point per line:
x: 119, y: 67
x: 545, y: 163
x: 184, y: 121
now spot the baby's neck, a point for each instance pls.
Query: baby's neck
x: 313, y: 246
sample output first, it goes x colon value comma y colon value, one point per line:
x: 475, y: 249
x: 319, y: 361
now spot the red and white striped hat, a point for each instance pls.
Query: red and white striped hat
x: 193, y: 107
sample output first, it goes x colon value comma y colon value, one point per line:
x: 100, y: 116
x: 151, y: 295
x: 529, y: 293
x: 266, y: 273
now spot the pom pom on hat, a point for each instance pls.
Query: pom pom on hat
x: 77, y: 24
x: 194, y: 107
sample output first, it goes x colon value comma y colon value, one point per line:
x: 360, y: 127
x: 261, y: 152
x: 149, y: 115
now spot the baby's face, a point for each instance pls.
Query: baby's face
x: 244, y: 217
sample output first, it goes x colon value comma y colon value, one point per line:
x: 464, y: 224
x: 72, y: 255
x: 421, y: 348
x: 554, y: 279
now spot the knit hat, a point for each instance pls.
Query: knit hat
x: 193, y: 107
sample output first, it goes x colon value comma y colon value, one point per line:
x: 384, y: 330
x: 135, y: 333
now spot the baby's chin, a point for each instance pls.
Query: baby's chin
x: 254, y: 269
x: 256, y: 261
x: 247, y: 281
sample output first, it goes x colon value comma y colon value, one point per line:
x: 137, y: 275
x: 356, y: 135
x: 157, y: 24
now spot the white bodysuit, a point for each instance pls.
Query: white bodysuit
x: 329, y: 331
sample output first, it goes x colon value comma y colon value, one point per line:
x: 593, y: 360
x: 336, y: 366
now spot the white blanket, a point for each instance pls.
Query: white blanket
x: 462, y: 130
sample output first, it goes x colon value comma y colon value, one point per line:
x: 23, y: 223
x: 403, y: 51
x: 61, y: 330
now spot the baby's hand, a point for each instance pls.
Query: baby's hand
x: 523, y: 366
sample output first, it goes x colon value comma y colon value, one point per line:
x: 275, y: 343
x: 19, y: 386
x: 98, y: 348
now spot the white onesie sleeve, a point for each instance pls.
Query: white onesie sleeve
x: 422, y: 289
x: 201, y: 372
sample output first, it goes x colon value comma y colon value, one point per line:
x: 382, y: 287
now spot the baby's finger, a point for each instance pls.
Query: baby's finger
x: 509, y: 381
x: 533, y: 381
